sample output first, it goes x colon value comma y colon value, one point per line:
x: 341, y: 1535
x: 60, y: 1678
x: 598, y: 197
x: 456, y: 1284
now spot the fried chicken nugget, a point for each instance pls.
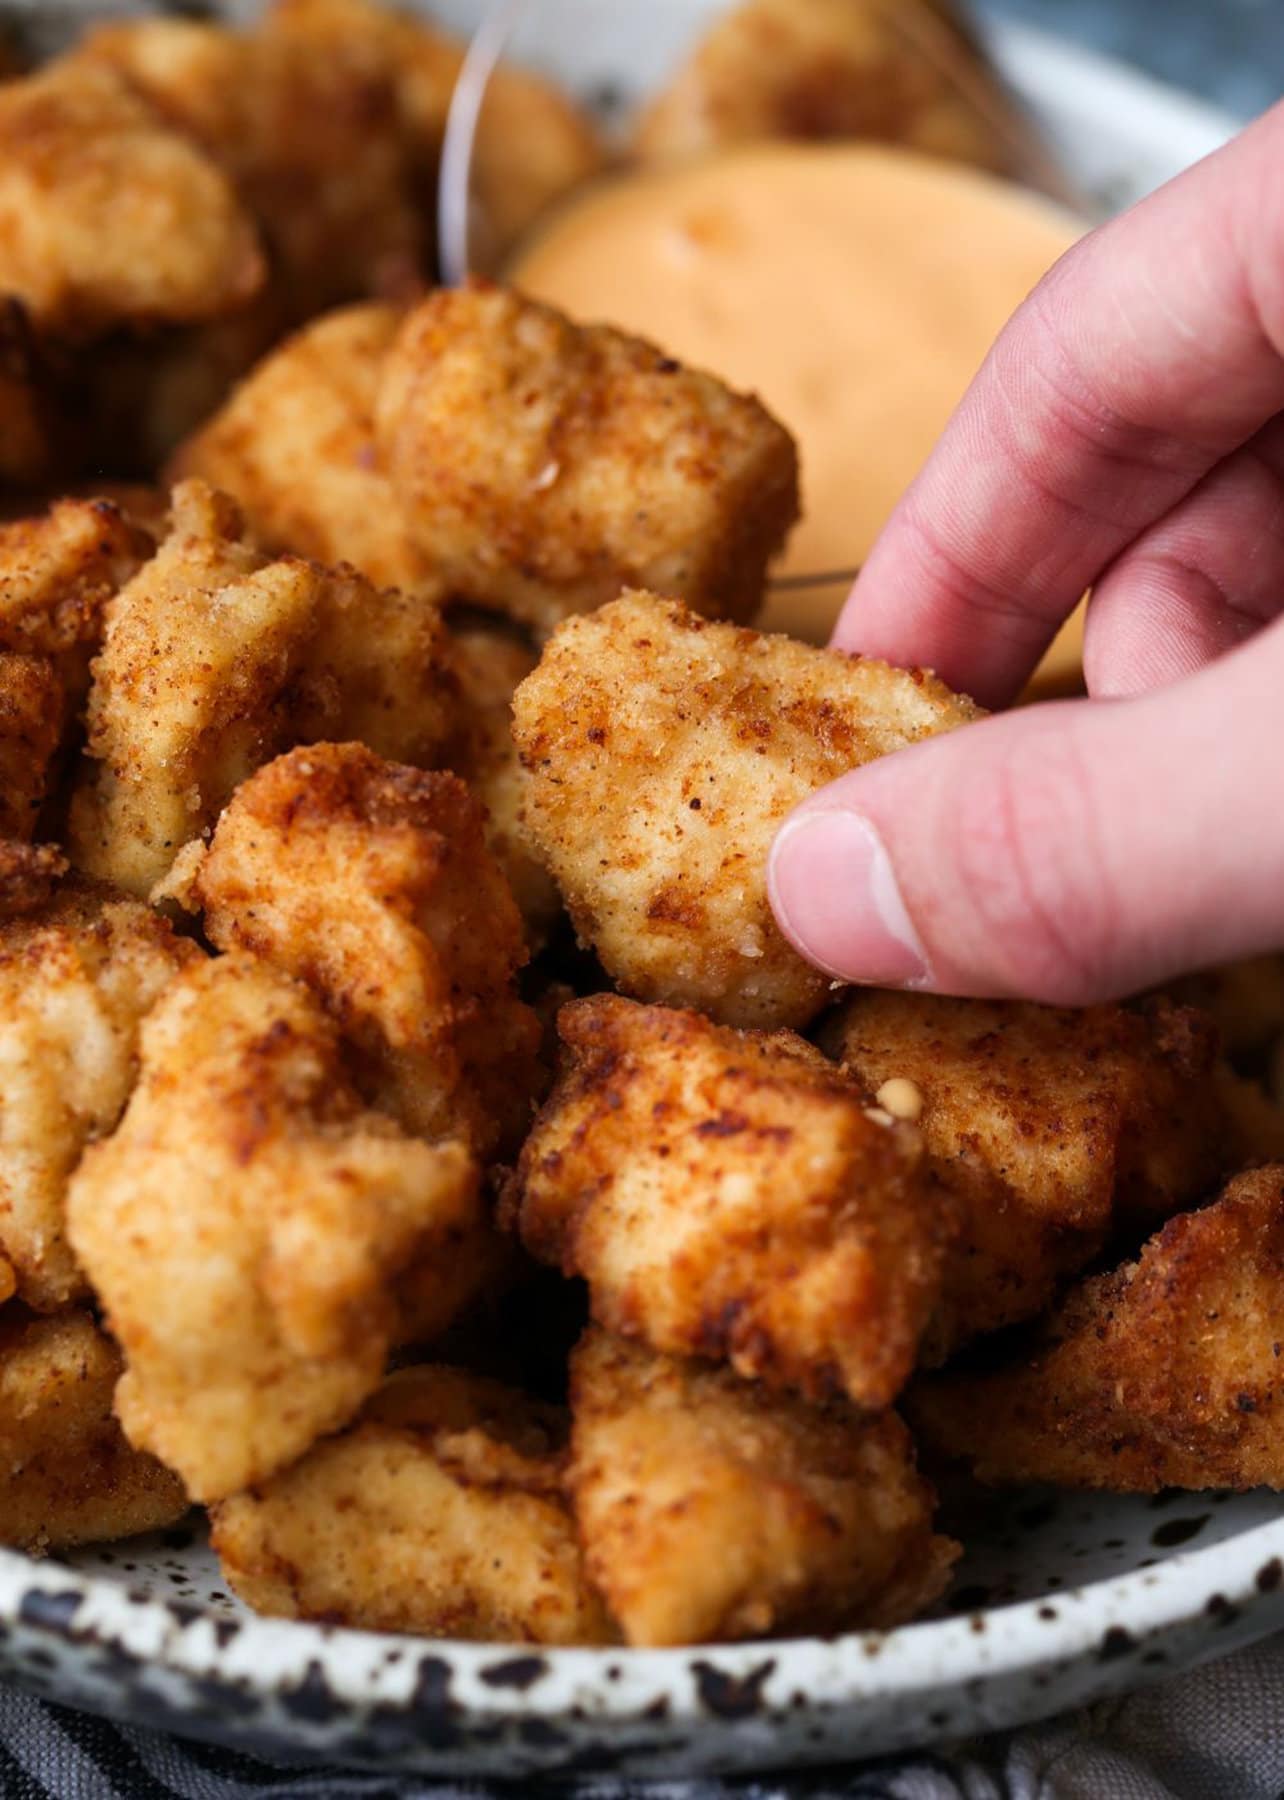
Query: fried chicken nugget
x: 542, y: 465
x: 1246, y: 999
x: 107, y: 216
x: 76, y: 979
x: 247, y: 1227
x: 439, y: 1512
x: 664, y: 753
x: 895, y: 71
x: 29, y: 874
x: 215, y: 660
x: 711, y: 1510
x: 491, y: 664
x: 67, y: 1473
x: 307, y: 127
x: 1053, y: 1129
x: 294, y: 446
x: 372, y: 882
x: 57, y: 573
x: 1165, y: 1373
x: 728, y: 1194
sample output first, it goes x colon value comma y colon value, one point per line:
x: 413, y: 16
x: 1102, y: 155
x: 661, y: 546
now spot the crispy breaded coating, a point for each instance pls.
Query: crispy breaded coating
x: 294, y: 446
x: 491, y: 664
x: 711, y: 1510
x: 67, y: 1473
x: 28, y: 875
x: 76, y: 979
x: 541, y: 466
x: 57, y: 573
x: 372, y: 882
x: 1053, y: 1129
x: 439, y: 1512
x: 306, y: 124
x: 664, y: 753
x: 1166, y: 1373
x: 894, y: 71
x: 248, y: 1224
x: 215, y: 660
x: 107, y: 215
x: 729, y: 1194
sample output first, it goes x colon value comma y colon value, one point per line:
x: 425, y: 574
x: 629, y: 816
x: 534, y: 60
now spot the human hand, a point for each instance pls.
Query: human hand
x: 1126, y: 434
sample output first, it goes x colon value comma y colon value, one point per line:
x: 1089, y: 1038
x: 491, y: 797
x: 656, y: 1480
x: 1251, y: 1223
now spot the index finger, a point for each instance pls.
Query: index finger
x: 1152, y: 351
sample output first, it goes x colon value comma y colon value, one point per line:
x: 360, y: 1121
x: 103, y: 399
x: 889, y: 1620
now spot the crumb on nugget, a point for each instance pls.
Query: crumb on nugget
x: 1166, y: 1373
x: 108, y: 216
x: 1055, y: 1130
x: 664, y: 753
x: 372, y: 882
x: 541, y: 466
x: 711, y: 1510
x: 67, y: 1474
x: 440, y: 1512
x: 215, y: 660
x: 77, y: 977
x: 294, y: 446
x: 248, y: 1224
x: 729, y: 1194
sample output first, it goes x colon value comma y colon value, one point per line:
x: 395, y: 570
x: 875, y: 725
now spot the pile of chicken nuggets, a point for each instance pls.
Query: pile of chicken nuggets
x: 419, y: 1147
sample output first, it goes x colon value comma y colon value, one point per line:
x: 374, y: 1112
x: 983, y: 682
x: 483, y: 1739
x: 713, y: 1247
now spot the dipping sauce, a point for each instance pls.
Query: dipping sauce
x: 855, y: 288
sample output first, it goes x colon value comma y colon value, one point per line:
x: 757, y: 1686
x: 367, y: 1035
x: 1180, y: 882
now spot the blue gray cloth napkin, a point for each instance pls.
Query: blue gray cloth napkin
x: 1214, y: 1734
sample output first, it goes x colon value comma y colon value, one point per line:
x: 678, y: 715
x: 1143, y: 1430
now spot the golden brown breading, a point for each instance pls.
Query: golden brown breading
x: 491, y: 664
x: 76, y: 979
x: 664, y: 753
x: 439, y: 1512
x: 1166, y: 1373
x: 728, y: 1194
x: 57, y: 573
x: 107, y: 216
x: 247, y: 1227
x: 541, y: 465
x: 67, y: 1474
x: 216, y: 660
x: 307, y: 126
x: 294, y: 446
x: 1054, y: 1129
x: 710, y: 1510
x: 28, y: 875
x: 373, y: 883
x: 895, y: 71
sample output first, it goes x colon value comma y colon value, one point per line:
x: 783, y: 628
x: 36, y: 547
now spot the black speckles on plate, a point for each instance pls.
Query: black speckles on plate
x: 728, y: 1698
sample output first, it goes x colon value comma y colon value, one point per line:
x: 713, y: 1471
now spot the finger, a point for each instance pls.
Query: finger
x: 1197, y: 584
x: 1065, y: 853
x: 1150, y: 353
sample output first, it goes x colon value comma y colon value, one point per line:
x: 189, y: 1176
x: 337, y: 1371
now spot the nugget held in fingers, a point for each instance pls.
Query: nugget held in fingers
x: 215, y: 660
x: 294, y: 446
x: 67, y: 1473
x: 373, y: 883
x: 1166, y: 1373
x: 712, y: 1510
x: 77, y: 977
x: 439, y: 1512
x: 1055, y: 1130
x: 664, y: 753
x: 108, y: 216
x: 490, y: 665
x: 541, y: 466
x: 729, y: 1194
x: 247, y: 1227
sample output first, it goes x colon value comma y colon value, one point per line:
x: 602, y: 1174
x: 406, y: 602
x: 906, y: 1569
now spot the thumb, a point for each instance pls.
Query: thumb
x: 1066, y: 853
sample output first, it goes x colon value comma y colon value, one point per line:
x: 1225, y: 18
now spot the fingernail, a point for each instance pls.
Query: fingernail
x: 836, y: 896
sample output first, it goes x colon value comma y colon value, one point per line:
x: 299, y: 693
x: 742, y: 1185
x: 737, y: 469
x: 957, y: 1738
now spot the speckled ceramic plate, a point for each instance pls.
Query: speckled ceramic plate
x: 1060, y: 1599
